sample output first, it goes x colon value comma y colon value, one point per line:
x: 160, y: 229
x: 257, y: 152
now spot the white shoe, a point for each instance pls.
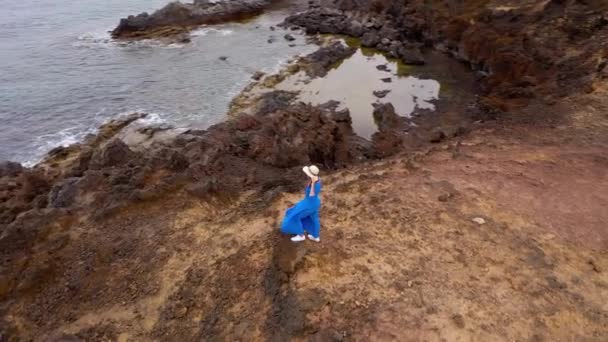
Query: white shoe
x: 298, y: 238
x: 310, y: 237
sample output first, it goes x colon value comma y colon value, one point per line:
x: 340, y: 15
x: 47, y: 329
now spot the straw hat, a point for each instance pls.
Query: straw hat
x: 311, y: 171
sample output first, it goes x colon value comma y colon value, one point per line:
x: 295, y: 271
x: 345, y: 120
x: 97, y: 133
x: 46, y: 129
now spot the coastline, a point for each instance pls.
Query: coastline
x: 145, y: 232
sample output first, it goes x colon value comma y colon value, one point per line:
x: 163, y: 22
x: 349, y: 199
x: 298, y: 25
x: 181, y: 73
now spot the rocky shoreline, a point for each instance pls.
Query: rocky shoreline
x: 268, y: 135
x: 518, y: 51
x: 176, y: 19
x: 130, y: 198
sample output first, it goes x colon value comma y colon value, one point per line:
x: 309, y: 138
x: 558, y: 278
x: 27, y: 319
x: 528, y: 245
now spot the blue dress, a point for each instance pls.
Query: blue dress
x: 304, y: 216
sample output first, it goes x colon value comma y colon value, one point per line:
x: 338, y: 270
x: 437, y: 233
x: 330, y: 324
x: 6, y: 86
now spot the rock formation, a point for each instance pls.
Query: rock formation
x: 519, y: 50
x: 178, y: 18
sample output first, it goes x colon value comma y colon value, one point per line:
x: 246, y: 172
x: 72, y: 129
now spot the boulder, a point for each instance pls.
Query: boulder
x: 386, y: 119
x: 356, y: 29
x: 114, y: 153
x: 411, y: 56
x: 10, y: 169
x: 319, y: 62
x: 258, y: 75
x: 370, y: 39
x: 382, y: 67
x: 273, y: 101
x: 63, y: 194
x: 381, y: 93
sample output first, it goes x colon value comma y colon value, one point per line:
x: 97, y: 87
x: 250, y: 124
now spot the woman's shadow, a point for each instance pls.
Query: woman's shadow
x: 286, y: 318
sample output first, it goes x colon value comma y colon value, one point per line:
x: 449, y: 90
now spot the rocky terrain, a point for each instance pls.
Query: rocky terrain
x: 177, y: 19
x: 522, y: 50
x: 494, y: 229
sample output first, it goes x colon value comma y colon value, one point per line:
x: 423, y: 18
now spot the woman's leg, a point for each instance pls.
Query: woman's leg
x: 316, y: 225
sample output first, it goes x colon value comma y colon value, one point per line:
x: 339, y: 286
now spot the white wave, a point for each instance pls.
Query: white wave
x: 94, y: 39
x: 279, y: 66
x: 210, y: 30
x: 103, y: 39
x: 63, y: 138
x: 147, y: 43
x: 76, y: 134
x: 152, y: 119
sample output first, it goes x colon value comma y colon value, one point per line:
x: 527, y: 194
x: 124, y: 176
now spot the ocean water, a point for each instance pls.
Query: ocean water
x: 61, y: 75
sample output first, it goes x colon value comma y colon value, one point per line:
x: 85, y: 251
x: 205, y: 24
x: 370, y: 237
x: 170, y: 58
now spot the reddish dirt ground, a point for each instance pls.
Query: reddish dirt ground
x: 400, y: 259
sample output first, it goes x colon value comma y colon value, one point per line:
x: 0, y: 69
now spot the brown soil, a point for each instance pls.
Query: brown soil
x: 497, y: 234
x: 400, y: 256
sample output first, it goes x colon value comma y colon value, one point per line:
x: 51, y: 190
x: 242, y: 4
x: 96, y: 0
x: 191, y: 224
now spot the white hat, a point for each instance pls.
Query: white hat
x: 311, y: 171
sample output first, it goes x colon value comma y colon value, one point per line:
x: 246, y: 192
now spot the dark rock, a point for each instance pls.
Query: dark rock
x: 64, y: 194
x: 246, y: 122
x: 289, y: 37
x: 389, y: 138
x: 437, y: 135
x: 318, y: 63
x: 203, y: 189
x: 273, y: 101
x: 382, y: 67
x: 10, y: 169
x: 272, y: 28
x: 386, y: 118
x: 387, y: 143
x: 150, y: 130
x: 411, y: 56
x: 387, y: 80
x: 33, y: 184
x: 223, y: 58
x: 513, y: 92
x: 356, y: 29
x: 60, y: 151
x: 258, y: 75
x: 176, y: 18
x: 342, y: 116
x: 381, y: 93
x: 82, y: 162
x: 115, y: 153
x: 527, y: 81
x: 370, y: 39
x: 395, y: 48
x: 178, y: 162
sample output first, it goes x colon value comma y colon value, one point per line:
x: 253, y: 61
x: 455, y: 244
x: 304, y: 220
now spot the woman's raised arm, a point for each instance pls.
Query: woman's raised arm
x: 312, y: 187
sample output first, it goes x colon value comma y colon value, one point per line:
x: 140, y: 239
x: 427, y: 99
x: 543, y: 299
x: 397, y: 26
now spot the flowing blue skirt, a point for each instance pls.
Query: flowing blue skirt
x: 304, y: 216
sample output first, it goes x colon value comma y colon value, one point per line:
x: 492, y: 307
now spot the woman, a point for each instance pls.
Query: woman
x: 304, y: 216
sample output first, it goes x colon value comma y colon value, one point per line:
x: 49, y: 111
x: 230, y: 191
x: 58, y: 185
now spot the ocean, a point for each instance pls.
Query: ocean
x: 61, y: 76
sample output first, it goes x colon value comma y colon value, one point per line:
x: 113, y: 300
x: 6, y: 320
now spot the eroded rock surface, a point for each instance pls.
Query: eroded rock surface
x: 156, y: 233
x: 524, y: 50
x: 178, y: 18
